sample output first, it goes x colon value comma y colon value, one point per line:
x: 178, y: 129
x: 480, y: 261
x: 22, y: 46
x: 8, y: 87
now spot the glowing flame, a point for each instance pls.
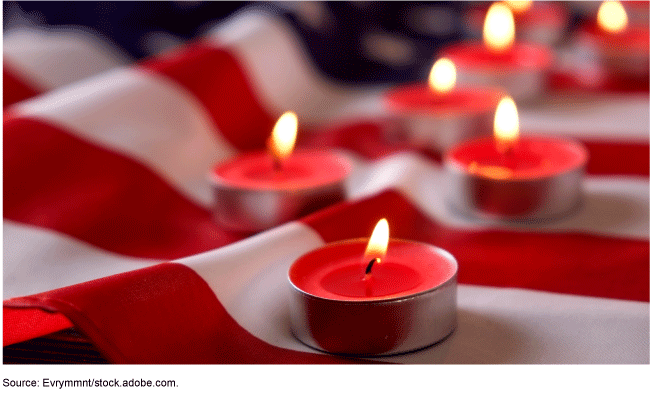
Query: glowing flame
x: 612, y: 17
x: 519, y: 6
x: 506, y: 124
x: 443, y: 76
x: 499, y: 28
x: 378, y: 242
x: 283, y: 138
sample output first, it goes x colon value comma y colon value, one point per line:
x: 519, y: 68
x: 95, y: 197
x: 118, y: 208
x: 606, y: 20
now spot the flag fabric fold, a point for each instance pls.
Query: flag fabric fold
x: 107, y: 222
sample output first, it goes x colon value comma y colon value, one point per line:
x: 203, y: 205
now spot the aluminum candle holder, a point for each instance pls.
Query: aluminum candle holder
x: 522, y: 85
x: 439, y: 132
x: 380, y: 326
x: 253, y: 210
x: 438, y: 114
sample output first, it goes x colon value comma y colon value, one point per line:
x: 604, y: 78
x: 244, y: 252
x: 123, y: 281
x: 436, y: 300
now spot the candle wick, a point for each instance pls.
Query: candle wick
x: 504, y: 147
x: 369, y: 268
x: 277, y: 165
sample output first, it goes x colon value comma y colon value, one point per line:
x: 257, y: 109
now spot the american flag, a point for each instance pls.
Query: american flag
x: 109, y: 241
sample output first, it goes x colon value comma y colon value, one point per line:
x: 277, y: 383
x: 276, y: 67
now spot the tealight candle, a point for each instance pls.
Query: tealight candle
x: 535, y: 21
x: 395, y: 297
x: 512, y: 177
x: 521, y: 69
x: 622, y: 47
x: 439, y: 115
x: 259, y: 190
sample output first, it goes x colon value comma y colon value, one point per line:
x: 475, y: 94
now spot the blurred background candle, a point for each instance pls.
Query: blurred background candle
x: 513, y: 177
x: 620, y: 44
x: 520, y: 68
x: 262, y: 189
x: 439, y: 114
x: 394, y: 297
x: 535, y: 21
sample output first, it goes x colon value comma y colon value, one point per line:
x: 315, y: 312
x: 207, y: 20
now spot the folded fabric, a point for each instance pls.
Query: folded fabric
x: 107, y: 176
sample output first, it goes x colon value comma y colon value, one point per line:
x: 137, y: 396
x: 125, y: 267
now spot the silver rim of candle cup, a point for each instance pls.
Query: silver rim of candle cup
x: 521, y: 84
x: 428, y: 317
x: 440, y: 133
x: 552, y: 197
x: 251, y: 210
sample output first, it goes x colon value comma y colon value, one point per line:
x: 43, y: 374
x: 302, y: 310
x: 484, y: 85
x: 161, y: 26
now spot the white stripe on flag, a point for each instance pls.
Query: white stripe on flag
x: 56, y: 57
x: 37, y: 260
x: 498, y: 325
x: 282, y: 74
x: 145, y: 116
x: 250, y: 279
x: 620, y: 118
x: 613, y: 206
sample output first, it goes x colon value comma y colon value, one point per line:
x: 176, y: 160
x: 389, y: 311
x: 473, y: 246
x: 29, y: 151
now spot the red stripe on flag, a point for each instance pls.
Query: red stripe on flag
x: 611, y: 158
x: 23, y: 324
x: 162, y: 314
x: 57, y: 181
x: 215, y: 77
x: 568, y: 263
x: 14, y: 87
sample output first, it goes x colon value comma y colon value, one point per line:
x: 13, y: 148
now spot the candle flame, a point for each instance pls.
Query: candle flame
x: 499, y: 28
x: 506, y: 124
x: 283, y: 138
x: 378, y: 243
x: 519, y: 6
x: 443, y: 76
x: 612, y: 17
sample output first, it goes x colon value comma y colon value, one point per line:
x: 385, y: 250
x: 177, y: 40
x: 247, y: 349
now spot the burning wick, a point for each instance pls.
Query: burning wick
x: 283, y: 138
x: 369, y: 268
x: 277, y: 164
x: 377, y: 246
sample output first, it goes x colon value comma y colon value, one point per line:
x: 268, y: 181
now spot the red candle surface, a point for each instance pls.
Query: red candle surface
x: 302, y: 170
x: 420, y: 99
x: 520, y: 57
x: 406, y: 302
x: 529, y: 158
x: 337, y: 271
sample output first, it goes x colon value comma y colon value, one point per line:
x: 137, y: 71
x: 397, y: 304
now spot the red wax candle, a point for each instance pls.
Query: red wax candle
x: 519, y: 68
x: 259, y: 190
x: 521, y: 71
x: 538, y: 178
x: 624, y: 53
x: 515, y: 177
x: 407, y: 302
x: 439, y: 119
x: 622, y: 47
